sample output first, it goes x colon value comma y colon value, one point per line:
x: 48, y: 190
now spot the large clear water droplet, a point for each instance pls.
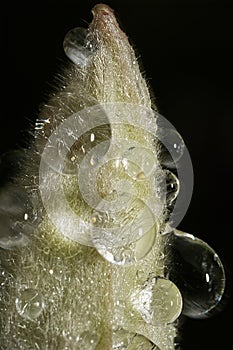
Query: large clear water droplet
x: 29, y: 303
x: 159, y: 301
x: 124, y: 226
x: 18, y: 216
x: 127, y: 254
x: 87, y: 341
x: 198, y: 272
x: 127, y: 236
x: 79, y: 45
x: 123, y: 340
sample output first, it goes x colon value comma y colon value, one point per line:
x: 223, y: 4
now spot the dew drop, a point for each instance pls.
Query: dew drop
x: 159, y: 301
x: 29, y: 303
x: 127, y: 255
x: 198, y: 273
x: 129, y: 242
x: 125, y: 226
x: 87, y: 341
x: 79, y: 45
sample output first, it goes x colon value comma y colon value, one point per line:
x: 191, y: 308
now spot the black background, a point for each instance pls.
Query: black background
x: 186, y: 50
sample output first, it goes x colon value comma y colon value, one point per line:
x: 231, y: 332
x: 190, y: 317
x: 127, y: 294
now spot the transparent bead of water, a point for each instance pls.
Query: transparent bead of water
x: 171, y: 147
x: 79, y: 45
x: 29, y: 303
x: 124, y: 340
x: 127, y: 244
x: 198, y: 273
x: 18, y: 217
x: 159, y: 301
x: 87, y: 341
x: 127, y: 255
x: 125, y: 226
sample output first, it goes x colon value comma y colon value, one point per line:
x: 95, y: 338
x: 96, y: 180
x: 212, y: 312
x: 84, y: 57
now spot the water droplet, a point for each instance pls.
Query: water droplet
x: 79, y: 45
x: 18, y: 216
x: 198, y: 272
x: 159, y: 301
x: 127, y: 255
x: 29, y: 303
x: 87, y: 340
x: 125, y: 226
x: 171, y: 147
x: 129, y: 242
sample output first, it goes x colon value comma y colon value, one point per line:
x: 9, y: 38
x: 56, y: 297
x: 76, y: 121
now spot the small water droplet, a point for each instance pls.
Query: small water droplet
x: 159, y: 301
x: 79, y: 45
x: 127, y: 255
x: 124, y: 226
x: 29, y: 303
x: 129, y: 242
x: 198, y: 272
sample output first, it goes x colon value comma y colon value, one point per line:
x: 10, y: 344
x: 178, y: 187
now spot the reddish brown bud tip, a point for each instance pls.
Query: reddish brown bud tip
x: 102, y: 9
